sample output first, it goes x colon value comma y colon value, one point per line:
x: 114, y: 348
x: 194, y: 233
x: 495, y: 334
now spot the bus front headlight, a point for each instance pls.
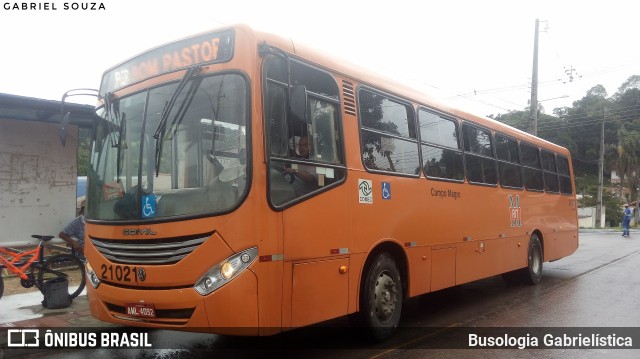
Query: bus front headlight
x: 225, y: 271
x: 92, y: 276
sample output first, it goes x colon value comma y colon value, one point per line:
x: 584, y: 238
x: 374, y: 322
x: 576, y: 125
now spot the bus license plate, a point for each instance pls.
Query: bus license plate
x: 140, y: 310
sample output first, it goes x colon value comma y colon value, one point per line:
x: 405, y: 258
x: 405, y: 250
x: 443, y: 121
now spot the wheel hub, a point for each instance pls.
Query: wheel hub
x: 386, y: 297
x: 536, y: 262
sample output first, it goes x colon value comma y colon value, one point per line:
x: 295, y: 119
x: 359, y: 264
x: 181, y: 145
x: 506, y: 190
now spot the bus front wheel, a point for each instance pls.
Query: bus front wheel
x: 533, y: 273
x: 381, y: 298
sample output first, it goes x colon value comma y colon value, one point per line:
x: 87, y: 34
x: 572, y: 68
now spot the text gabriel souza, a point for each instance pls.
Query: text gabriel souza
x: 25, y: 6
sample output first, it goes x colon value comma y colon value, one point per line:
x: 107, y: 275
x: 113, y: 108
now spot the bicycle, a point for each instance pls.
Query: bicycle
x: 26, y: 264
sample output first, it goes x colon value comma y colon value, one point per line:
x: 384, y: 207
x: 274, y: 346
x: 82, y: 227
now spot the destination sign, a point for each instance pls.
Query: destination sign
x: 202, y: 49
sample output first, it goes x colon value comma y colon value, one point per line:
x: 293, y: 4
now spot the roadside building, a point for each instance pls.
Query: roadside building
x: 38, y: 174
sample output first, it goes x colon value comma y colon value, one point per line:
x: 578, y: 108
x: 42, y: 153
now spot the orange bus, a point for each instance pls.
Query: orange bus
x: 245, y: 184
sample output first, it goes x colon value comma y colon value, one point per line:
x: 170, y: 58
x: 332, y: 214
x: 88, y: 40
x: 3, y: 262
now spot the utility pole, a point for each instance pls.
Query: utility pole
x: 533, y: 107
x: 600, y: 173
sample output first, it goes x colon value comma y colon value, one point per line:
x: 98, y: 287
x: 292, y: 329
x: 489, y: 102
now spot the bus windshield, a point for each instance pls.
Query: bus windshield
x: 191, y: 161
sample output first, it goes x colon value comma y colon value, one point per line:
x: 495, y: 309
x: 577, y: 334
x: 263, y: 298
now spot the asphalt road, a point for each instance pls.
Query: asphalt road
x: 596, y: 290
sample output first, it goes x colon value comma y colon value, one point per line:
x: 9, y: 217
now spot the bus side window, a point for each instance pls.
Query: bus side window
x: 479, y: 161
x: 388, y: 135
x: 275, y: 115
x: 509, y: 168
x: 564, y: 175
x: 324, y: 142
x: 531, y: 167
x: 440, y: 146
x: 305, y: 152
x: 550, y: 172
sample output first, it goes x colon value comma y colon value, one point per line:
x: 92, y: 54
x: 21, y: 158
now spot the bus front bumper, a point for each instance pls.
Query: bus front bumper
x: 232, y: 309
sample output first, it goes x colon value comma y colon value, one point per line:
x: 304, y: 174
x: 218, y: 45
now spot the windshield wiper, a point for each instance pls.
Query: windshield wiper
x: 112, y: 111
x: 109, y: 102
x: 120, y: 145
x: 162, y: 125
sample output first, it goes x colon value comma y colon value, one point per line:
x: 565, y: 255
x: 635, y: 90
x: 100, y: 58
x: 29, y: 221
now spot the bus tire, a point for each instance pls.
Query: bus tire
x: 381, y: 298
x: 1, y: 284
x: 533, y: 273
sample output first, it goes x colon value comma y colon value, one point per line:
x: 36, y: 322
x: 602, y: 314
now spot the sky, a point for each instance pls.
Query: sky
x: 474, y: 55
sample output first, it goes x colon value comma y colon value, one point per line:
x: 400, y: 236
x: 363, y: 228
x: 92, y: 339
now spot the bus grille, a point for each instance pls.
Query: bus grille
x: 155, y: 251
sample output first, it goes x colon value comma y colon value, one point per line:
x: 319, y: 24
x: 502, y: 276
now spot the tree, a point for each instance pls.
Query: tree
x: 84, y: 143
x: 551, y: 128
x: 625, y: 112
x: 632, y: 82
x: 583, y: 122
x: 627, y: 163
x: 610, y: 201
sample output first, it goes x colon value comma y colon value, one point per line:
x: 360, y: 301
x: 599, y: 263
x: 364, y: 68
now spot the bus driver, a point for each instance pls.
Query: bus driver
x: 303, y: 176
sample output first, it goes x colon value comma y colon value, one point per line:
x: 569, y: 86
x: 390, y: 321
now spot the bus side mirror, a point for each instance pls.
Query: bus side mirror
x: 298, y: 102
x: 64, y: 117
x: 64, y: 128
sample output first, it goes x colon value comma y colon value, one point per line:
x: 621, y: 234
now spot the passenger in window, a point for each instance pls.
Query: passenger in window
x: 303, y: 177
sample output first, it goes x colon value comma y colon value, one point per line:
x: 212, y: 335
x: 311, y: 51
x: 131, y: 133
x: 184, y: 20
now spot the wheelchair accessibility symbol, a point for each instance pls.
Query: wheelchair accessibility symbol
x: 149, y: 206
x: 386, y: 190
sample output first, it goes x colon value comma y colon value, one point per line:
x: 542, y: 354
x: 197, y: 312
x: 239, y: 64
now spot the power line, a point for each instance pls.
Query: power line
x: 590, y: 119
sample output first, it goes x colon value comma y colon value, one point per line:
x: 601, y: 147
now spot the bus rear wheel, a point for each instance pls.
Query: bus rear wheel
x: 533, y: 273
x: 381, y: 298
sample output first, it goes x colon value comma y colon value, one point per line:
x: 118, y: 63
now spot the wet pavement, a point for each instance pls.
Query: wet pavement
x: 26, y: 310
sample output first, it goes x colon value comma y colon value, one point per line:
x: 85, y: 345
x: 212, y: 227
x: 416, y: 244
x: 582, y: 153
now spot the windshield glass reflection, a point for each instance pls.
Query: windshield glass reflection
x: 196, y: 164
